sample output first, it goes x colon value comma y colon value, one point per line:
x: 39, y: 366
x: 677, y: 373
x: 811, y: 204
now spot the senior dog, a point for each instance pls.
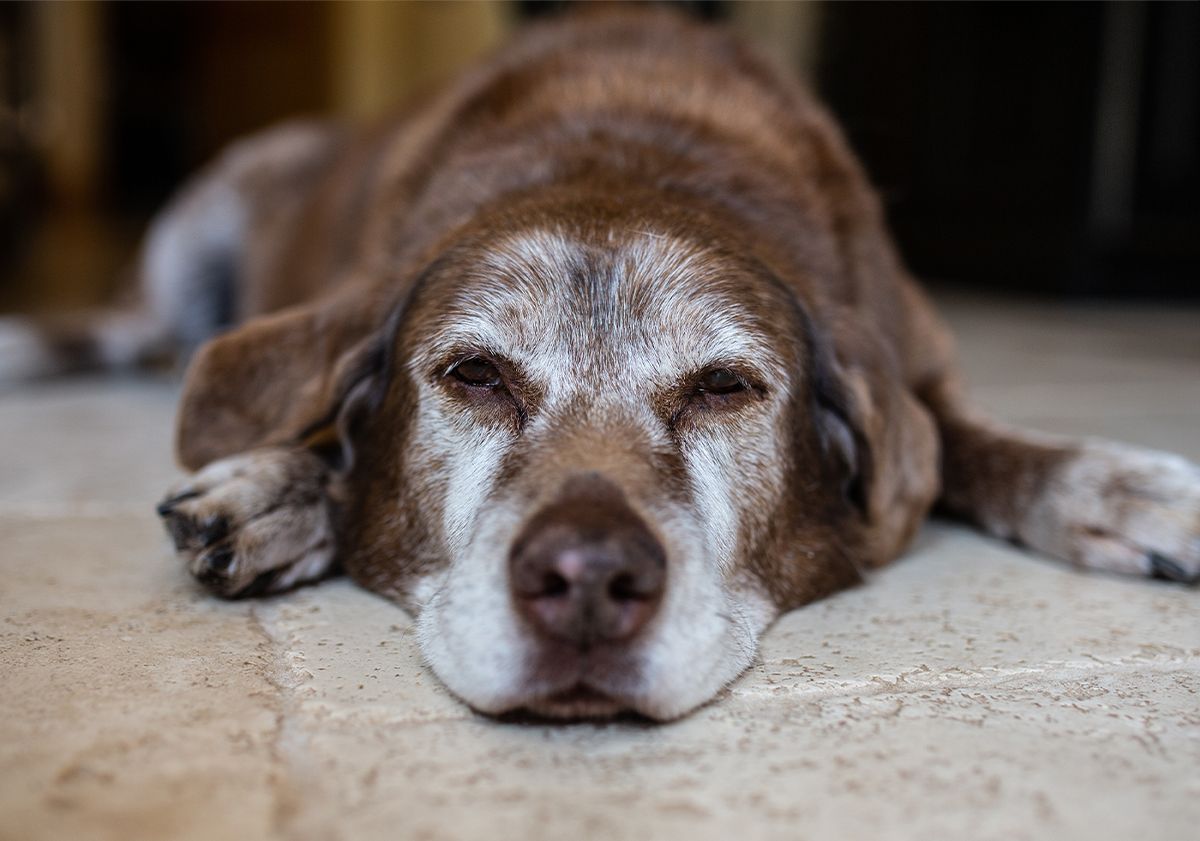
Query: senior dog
x: 596, y: 362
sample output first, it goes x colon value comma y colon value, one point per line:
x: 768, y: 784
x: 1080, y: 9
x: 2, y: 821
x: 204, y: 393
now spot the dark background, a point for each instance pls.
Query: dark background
x: 1046, y: 148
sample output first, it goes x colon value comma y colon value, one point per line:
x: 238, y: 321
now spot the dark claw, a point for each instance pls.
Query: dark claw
x: 165, y: 507
x: 209, y: 578
x: 181, y: 531
x: 214, y: 570
x: 220, y: 559
x: 213, y: 530
x: 1168, y: 569
x: 213, y: 577
x: 260, y: 585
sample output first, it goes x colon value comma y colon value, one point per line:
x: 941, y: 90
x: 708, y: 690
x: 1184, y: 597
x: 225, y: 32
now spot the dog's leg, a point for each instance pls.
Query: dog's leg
x: 198, y: 267
x: 259, y: 522
x: 1098, y: 504
x: 108, y: 339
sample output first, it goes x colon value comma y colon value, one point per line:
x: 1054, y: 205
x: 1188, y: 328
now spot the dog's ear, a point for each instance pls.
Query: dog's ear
x: 300, y: 376
x: 894, y: 445
x: 882, y: 442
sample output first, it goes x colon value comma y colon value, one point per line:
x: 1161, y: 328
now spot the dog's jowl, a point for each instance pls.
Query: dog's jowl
x: 596, y: 362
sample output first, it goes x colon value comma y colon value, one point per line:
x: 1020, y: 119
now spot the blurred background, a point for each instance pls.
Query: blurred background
x: 1042, y: 148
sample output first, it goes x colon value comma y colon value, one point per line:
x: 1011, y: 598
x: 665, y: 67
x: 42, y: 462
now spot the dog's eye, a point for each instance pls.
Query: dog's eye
x: 477, y: 372
x: 720, y: 381
x: 714, y: 390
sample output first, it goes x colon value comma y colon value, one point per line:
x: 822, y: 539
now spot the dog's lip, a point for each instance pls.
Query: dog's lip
x: 577, y: 694
x: 580, y: 700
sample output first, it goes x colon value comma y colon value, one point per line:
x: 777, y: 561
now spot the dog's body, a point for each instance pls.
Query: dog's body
x: 597, y: 362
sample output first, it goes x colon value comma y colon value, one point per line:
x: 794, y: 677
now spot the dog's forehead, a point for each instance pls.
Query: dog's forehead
x: 632, y: 301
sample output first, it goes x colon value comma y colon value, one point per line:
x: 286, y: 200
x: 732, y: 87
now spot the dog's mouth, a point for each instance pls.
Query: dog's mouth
x: 578, y: 701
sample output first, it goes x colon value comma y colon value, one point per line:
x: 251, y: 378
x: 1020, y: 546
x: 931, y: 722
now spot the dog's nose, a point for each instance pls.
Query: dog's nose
x: 586, y: 569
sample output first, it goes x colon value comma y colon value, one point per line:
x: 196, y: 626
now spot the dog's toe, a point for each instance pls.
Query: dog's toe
x: 213, y: 568
x: 217, y: 568
x: 1122, y: 509
x: 172, y: 501
x: 215, y: 528
x: 256, y: 523
x: 220, y: 560
x: 1172, y: 570
x: 181, y: 530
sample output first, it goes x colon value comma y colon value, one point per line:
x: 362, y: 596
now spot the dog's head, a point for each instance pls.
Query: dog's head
x: 596, y: 454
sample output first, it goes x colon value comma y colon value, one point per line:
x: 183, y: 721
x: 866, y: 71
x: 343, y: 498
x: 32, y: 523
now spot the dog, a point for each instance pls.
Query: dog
x: 596, y: 361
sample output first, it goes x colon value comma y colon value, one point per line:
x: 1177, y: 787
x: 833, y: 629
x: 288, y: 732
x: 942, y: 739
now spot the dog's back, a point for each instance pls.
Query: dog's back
x: 603, y: 100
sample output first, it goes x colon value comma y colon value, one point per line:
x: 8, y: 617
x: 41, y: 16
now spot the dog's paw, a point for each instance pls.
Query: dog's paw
x: 1121, y: 509
x: 255, y: 523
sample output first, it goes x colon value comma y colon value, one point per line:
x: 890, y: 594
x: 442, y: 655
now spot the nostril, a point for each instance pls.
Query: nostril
x: 554, y: 585
x: 623, y: 588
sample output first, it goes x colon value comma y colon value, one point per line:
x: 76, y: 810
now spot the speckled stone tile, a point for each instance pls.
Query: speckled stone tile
x: 135, y: 707
x: 86, y: 446
x: 968, y: 690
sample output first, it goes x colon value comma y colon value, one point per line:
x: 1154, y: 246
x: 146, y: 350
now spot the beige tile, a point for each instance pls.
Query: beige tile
x: 1129, y: 372
x: 134, y: 706
x: 89, y: 445
x: 1009, y: 343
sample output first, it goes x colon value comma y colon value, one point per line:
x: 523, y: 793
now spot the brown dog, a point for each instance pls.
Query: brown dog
x: 597, y: 362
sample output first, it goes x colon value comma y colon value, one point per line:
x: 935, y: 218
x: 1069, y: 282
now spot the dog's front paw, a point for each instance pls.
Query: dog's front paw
x: 1121, y: 509
x: 255, y: 523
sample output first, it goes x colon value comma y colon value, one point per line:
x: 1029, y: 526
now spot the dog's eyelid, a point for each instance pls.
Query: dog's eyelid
x: 714, y: 378
x: 478, y: 371
x: 485, y: 378
x: 693, y: 395
x: 720, y: 381
x: 448, y: 361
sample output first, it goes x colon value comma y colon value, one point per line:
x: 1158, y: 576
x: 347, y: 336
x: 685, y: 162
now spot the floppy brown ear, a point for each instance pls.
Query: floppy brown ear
x: 276, y: 380
x: 894, y: 452
x: 884, y: 436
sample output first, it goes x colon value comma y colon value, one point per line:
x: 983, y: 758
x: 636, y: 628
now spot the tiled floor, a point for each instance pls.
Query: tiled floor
x: 968, y: 691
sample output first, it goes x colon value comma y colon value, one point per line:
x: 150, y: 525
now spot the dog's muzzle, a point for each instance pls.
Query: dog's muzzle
x: 586, y: 571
